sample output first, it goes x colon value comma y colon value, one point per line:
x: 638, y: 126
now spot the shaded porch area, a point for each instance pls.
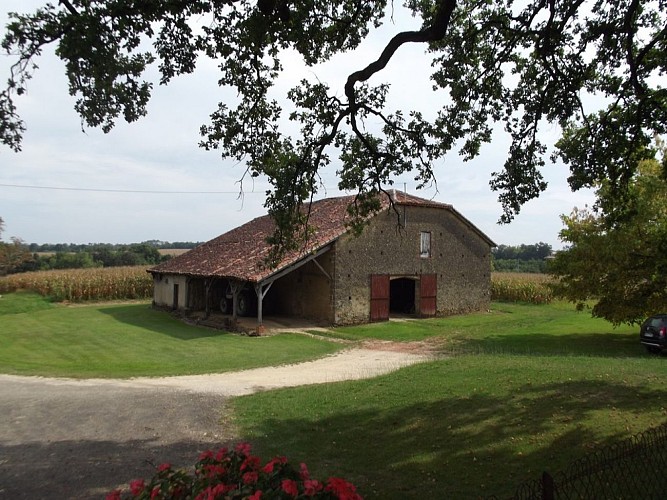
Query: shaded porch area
x: 295, y: 295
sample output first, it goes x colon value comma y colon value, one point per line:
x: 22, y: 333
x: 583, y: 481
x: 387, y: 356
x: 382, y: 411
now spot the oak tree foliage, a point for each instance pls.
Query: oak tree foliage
x: 591, y: 68
x: 616, y: 256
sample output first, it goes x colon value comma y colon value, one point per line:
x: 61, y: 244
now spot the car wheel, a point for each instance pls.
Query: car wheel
x: 225, y: 306
x: 653, y: 350
x: 245, y: 304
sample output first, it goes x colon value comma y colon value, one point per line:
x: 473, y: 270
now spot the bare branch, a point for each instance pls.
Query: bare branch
x: 69, y: 7
x: 435, y: 32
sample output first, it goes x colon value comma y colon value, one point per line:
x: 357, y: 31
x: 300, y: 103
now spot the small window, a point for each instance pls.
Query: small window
x: 425, y: 245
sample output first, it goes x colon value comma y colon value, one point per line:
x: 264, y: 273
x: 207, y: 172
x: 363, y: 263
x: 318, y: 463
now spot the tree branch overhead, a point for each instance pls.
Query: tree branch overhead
x: 555, y: 51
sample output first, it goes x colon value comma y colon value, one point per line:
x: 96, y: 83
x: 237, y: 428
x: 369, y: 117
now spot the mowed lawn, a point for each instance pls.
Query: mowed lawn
x: 522, y: 389
x: 38, y: 337
x: 512, y: 391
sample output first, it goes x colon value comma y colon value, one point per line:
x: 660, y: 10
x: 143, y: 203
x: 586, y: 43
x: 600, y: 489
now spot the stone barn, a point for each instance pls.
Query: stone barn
x: 416, y: 258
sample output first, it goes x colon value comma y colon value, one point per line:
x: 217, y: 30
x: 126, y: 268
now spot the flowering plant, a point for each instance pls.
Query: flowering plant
x: 235, y: 475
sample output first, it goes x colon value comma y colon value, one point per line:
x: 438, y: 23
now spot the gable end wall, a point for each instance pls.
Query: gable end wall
x: 460, y: 258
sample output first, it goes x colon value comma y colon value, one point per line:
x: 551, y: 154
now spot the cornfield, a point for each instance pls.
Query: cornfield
x: 77, y: 285
x: 522, y: 287
x: 123, y: 283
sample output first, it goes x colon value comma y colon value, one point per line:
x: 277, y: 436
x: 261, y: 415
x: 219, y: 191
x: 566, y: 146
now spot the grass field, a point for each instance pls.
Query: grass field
x: 523, y: 389
x: 38, y: 337
x: 507, y: 328
x: 519, y: 389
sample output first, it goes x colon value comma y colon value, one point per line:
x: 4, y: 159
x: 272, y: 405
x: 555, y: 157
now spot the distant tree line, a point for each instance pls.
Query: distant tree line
x: 79, y: 256
x: 92, y: 247
x: 521, y: 258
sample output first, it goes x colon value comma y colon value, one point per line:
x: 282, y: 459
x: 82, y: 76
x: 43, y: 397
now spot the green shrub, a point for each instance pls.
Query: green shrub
x: 236, y: 474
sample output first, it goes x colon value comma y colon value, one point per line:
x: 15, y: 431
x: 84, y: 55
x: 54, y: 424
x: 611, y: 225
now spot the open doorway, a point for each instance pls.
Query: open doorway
x: 175, y: 303
x: 402, y: 296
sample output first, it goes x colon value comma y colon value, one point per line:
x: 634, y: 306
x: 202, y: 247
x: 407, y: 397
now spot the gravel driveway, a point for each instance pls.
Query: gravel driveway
x: 65, y: 438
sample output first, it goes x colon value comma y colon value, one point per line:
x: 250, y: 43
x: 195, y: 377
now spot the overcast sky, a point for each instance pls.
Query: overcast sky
x: 160, y: 185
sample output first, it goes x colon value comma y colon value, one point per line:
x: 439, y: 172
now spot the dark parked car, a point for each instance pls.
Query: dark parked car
x: 653, y: 333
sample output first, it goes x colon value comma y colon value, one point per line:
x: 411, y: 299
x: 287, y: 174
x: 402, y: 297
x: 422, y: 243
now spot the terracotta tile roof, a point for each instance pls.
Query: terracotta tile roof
x: 241, y: 252
x: 402, y: 198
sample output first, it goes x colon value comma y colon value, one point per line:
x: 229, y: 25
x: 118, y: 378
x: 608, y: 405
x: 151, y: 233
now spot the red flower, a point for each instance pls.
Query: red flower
x: 219, y: 489
x: 268, y: 468
x: 250, y: 477
x: 243, y: 448
x: 251, y: 463
x: 214, y: 471
x: 290, y: 487
x: 137, y: 486
x: 237, y: 473
x: 342, y: 489
x: 303, y: 471
x: 311, y: 487
x: 213, y: 492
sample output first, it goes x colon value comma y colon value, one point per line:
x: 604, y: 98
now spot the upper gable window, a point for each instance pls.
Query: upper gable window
x: 425, y: 245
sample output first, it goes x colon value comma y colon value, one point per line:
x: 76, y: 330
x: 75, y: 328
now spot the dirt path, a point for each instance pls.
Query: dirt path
x: 65, y: 438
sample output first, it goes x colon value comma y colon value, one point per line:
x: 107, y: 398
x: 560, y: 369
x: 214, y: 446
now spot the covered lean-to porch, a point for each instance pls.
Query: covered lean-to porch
x: 300, y: 289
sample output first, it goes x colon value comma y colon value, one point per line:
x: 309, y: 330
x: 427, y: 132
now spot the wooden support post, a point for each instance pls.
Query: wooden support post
x: 207, y: 293
x: 236, y: 288
x: 261, y: 292
x: 188, y: 283
x: 260, y: 302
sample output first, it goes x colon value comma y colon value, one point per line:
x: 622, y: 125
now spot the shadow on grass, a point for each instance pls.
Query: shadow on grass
x: 608, y: 345
x: 145, y: 316
x: 462, y: 447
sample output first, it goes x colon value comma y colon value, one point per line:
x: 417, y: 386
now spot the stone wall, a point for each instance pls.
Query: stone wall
x: 459, y: 256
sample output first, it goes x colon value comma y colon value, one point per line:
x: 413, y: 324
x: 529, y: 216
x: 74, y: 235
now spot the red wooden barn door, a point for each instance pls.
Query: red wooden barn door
x: 428, y: 294
x: 379, y: 297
